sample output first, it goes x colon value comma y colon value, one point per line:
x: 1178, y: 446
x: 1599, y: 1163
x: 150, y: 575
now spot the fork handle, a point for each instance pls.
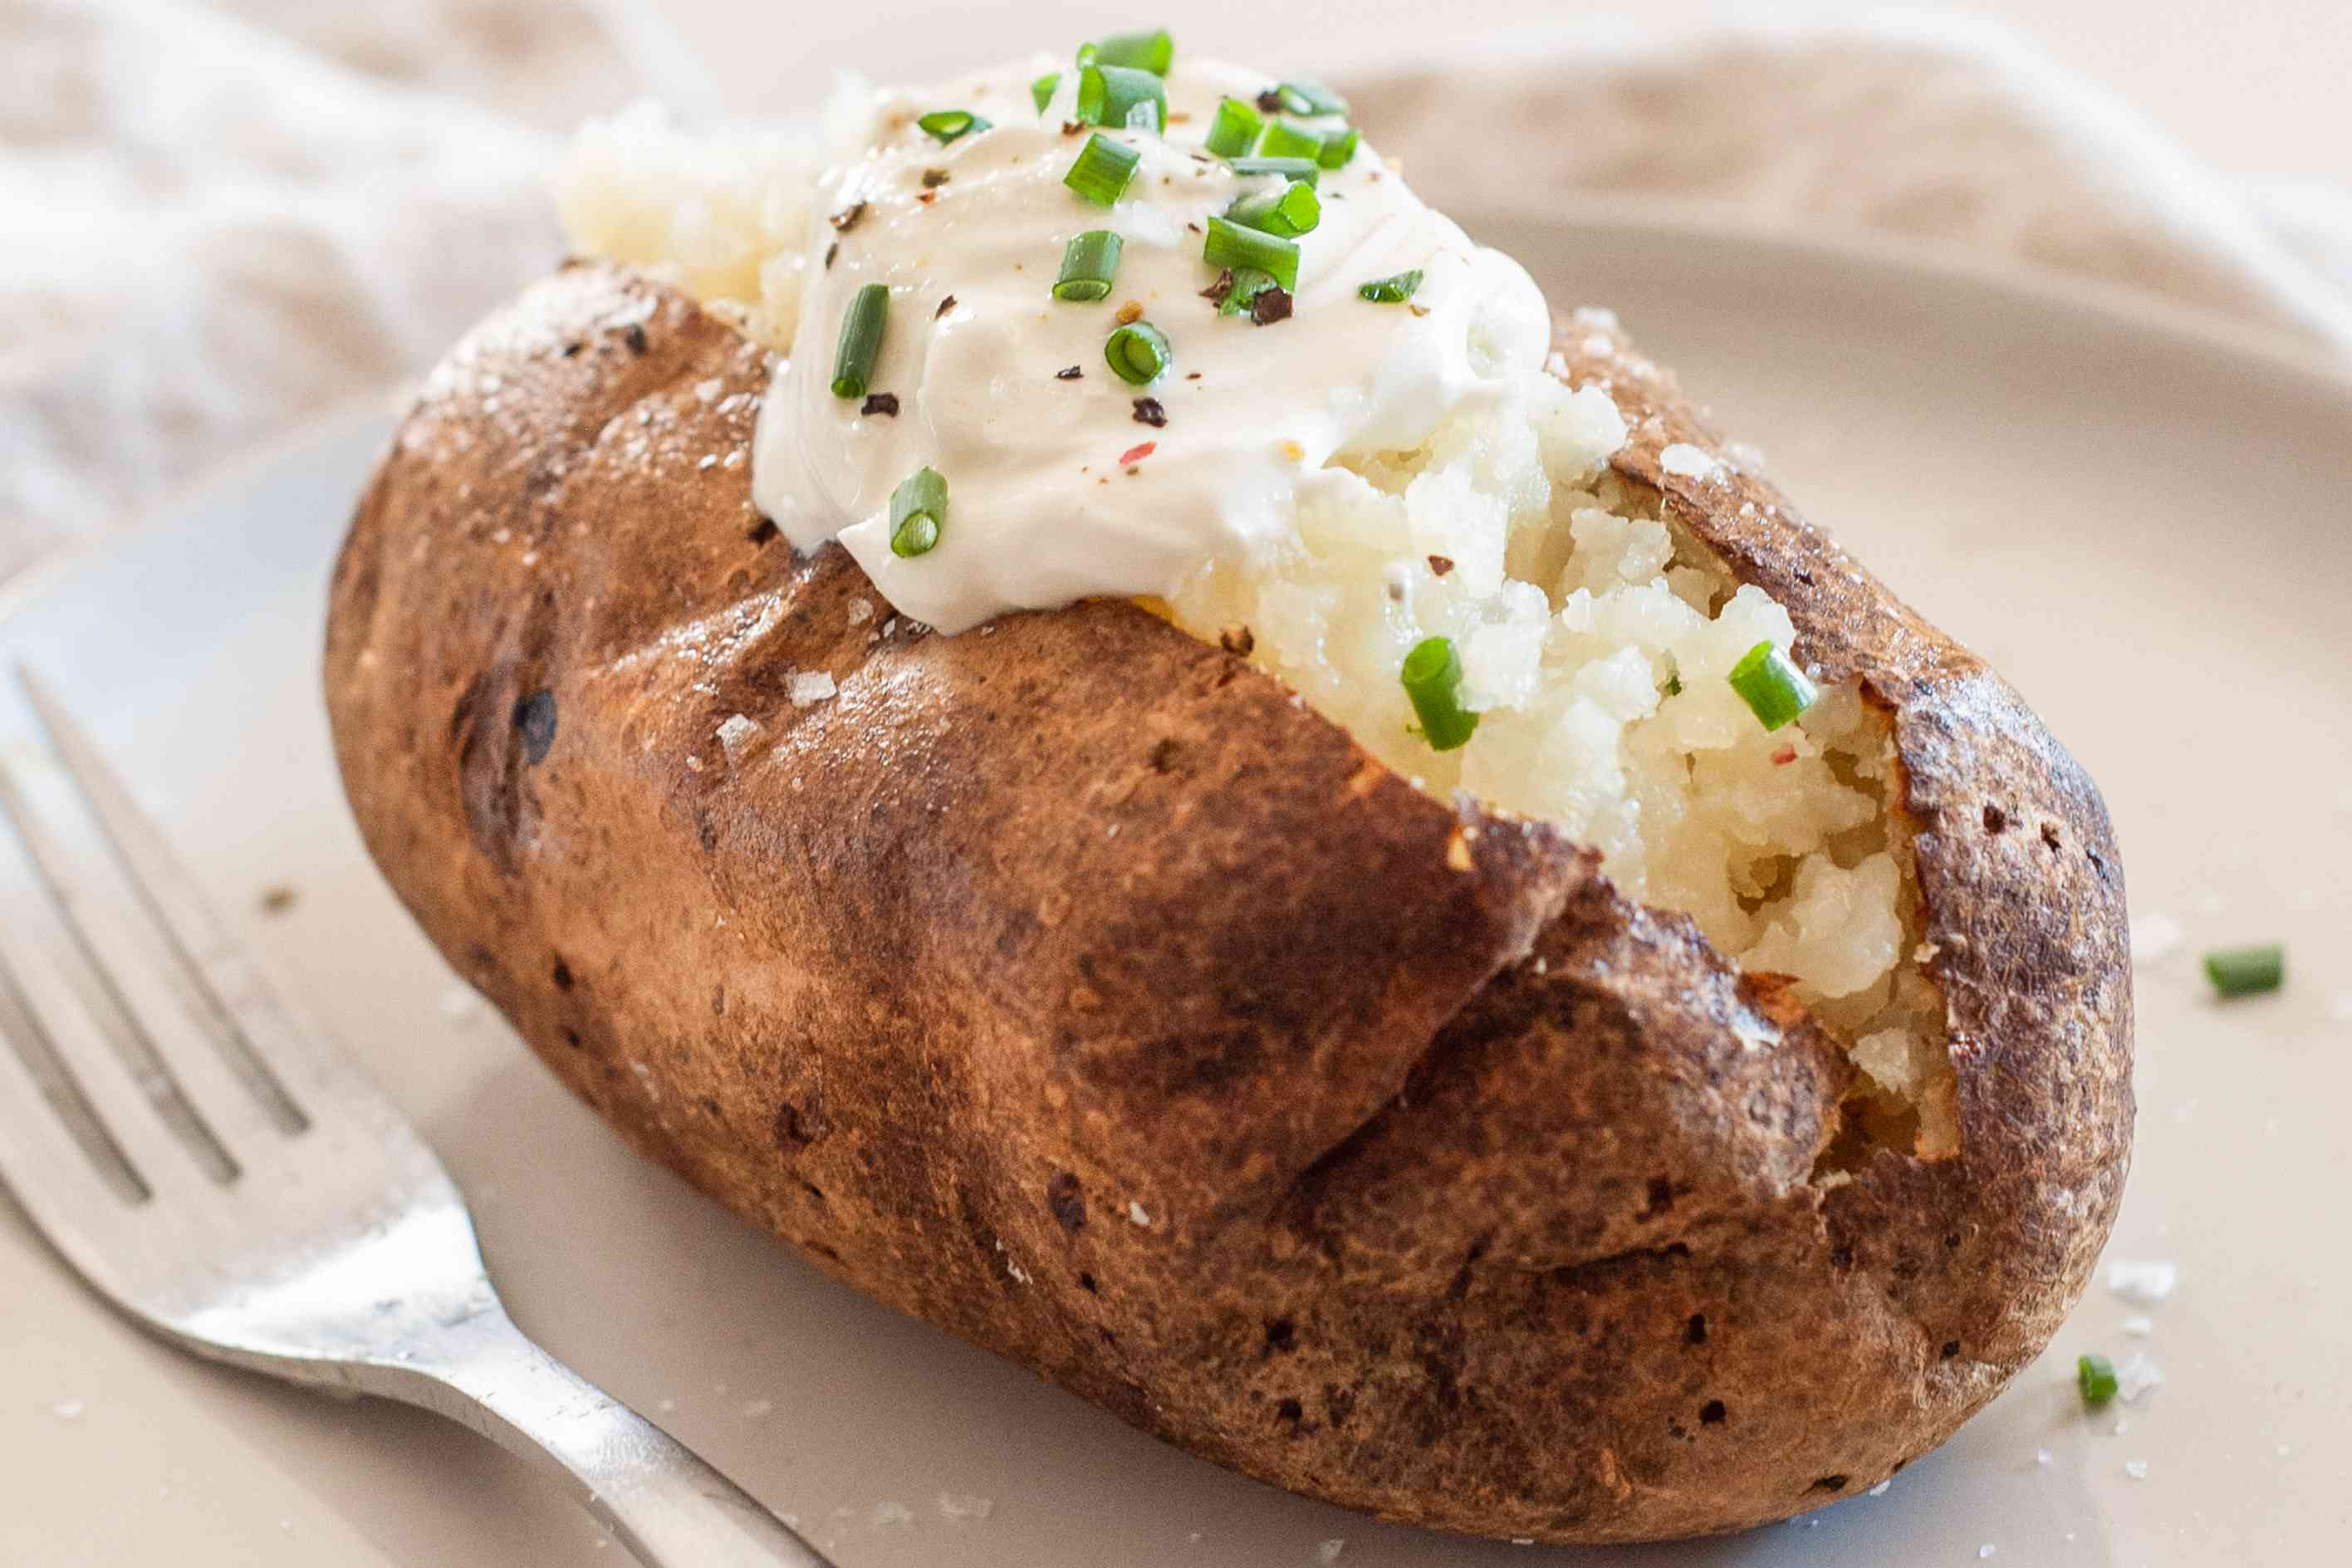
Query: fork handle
x: 668, y: 1507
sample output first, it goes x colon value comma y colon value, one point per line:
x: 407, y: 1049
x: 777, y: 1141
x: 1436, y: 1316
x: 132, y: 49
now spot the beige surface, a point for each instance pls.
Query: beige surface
x: 2149, y: 532
x: 2254, y: 87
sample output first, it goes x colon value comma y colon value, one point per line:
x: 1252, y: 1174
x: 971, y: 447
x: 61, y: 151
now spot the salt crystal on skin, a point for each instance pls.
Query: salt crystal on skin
x: 1880, y: 1489
x: 2144, y: 1282
x: 1135, y: 1212
x: 812, y: 686
x: 860, y: 611
x: 1685, y: 461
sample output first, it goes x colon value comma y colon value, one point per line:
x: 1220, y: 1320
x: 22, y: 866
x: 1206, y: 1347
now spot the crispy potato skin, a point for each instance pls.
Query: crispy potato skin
x: 1071, y: 986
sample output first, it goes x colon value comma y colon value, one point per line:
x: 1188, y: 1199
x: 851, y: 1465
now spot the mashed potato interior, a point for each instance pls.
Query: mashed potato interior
x: 1596, y: 636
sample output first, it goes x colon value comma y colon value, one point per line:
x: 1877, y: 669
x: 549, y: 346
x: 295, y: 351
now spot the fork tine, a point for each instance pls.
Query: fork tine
x: 262, y: 1040
x: 82, y: 1054
x: 58, y: 1183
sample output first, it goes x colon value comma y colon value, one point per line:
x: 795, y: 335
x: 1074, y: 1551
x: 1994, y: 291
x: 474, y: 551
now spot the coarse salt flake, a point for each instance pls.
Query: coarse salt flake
x: 2140, y: 1325
x: 2138, y: 1376
x: 1685, y: 461
x: 1329, y: 1552
x: 1137, y: 1213
x: 860, y: 611
x: 2135, y: 1469
x: 2143, y: 1281
x: 736, y: 733
x: 810, y: 687
x: 67, y: 1409
x: 2154, y: 938
x: 708, y: 391
x: 890, y: 1515
x: 958, y: 1507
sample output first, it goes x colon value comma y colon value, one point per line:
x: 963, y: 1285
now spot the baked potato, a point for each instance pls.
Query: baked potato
x: 1122, y: 988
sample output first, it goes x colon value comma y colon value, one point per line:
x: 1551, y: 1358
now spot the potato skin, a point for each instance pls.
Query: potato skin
x: 1070, y: 985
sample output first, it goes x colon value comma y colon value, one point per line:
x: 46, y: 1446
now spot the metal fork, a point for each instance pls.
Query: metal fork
x: 233, y: 1183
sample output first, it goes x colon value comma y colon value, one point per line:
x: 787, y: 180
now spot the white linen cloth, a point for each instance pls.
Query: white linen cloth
x: 219, y: 218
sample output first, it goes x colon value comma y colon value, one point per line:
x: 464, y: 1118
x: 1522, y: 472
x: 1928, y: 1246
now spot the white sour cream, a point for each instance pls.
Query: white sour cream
x: 1057, y: 492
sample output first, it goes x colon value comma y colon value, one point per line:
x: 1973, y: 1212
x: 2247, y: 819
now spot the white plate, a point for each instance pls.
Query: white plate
x: 2149, y: 525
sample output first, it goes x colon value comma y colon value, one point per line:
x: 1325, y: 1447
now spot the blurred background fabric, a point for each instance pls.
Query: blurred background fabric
x: 219, y: 217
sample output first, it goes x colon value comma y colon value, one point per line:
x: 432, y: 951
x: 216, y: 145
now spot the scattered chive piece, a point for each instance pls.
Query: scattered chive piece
x: 1230, y: 245
x: 1154, y: 52
x: 1339, y: 148
x: 2096, y: 1375
x: 1041, y: 91
x: 1090, y: 267
x: 1103, y: 168
x: 1304, y: 169
x: 1393, y: 290
x: 1119, y: 96
x: 947, y: 124
x: 1774, y: 690
x: 2246, y: 971
x: 1432, y: 678
x: 1234, y: 130
x: 1284, y: 140
x: 919, y: 509
x: 1242, y: 286
x: 1292, y: 210
x: 1311, y: 98
x: 1139, y: 351
x: 861, y: 340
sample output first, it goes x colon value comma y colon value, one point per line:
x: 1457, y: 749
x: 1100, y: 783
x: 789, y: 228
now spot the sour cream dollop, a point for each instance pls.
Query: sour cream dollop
x: 1060, y: 487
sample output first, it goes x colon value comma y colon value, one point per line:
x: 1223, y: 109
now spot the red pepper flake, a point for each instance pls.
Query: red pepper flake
x: 1440, y: 565
x: 635, y: 337
x: 1785, y: 756
x: 1137, y: 453
x: 945, y: 306
x: 1269, y: 305
x: 1192, y: 376
x: 880, y: 403
x: 1071, y: 128
x: 1148, y: 411
x: 1129, y: 313
x: 1270, y: 101
x: 830, y: 252
x: 1237, y: 639
x: 847, y: 219
x: 1069, y: 373
x: 927, y: 198
x: 1223, y: 285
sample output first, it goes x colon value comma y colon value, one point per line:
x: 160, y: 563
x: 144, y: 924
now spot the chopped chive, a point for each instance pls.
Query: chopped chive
x: 947, y: 124
x: 1041, y: 91
x: 1311, y: 98
x: 1154, y: 52
x: 1231, y: 245
x: 861, y: 340
x: 1090, y: 266
x: 1339, y: 148
x: 1393, y: 290
x: 1292, y: 210
x: 1284, y: 140
x: 1235, y: 129
x: 1102, y: 170
x: 919, y: 509
x: 1432, y: 679
x: 1120, y: 96
x: 1774, y: 690
x: 1304, y: 169
x: 1243, y: 285
x: 1139, y: 353
x: 2095, y: 1376
x: 2246, y: 971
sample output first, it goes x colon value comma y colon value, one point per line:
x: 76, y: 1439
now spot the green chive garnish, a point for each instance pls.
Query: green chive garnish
x: 1123, y: 97
x: 1292, y: 210
x: 1432, y: 678
x: 1774, y: 690
x: 1339, y: 148
x: 2096, y: 1375
x: 861, y: 340
x: 1284, y: 140
x: 1090, y: 266
x: 1231, y: 245
x: 1103, y: 169
x: 1234, y: 130
x: 1154, y: 52
x: 919, y: 509
x: 1393, y: 290
x: 1304, y: 169
x: 2246, y: 971
x: 1242, y: 286
x: 947, y: 124
x: 1041, y: 91
x: 1311, y: 98
x: 1139, y: 353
